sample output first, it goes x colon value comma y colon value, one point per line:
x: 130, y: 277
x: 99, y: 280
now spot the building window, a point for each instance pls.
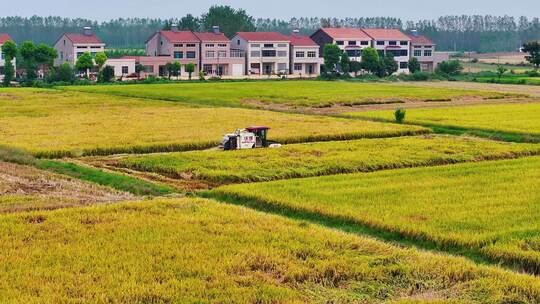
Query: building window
x: 427, y: 53
x: 404, y: 42
x: 404, y: 65
x: 255, y: 45
x: 417, y: 53
x: 190, y: 45
x: 398, y: 53
x: 281, y: 45
x: 177, y: 45
x: 149, y: 68
x: 178, y: 55
x: 191, y: 55
x: 380, y: 42
x: 352, y: 42
x: 364, y: 42
x: 354, y: 53
x: 238, y: 42
x: 300, y: 54
x: 61, y: 55
x: 209, y: 54
x: 95, y: 47
x: 209, y: 45
x: 268, y: 45
x: 125, y: 70
x: 312, y: 54
x: 340, y: 42
x: 282, y: 53
x: 392, y: 42
x: 282, y: 66
x: 269, y: 53
x: 222, y: 54
x: 207, y: 68
x: 222, y: 45
x: 297, y: 66
x: 255, y: 54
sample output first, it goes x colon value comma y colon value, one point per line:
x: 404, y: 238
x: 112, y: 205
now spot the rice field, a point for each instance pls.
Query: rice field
x: 151, y: 252
x: 521, y: 119
x: 51, y: 123
x: 291, y: 93
x: 490, y: 208
x: 313, y: 159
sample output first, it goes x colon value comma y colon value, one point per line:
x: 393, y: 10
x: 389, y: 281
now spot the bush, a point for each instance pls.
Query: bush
x: 106, y: 75
x: 474, y: 60
x: 419, y: 76
x: 533, y: 73
x: 400, y: 115
x: 451, y: 68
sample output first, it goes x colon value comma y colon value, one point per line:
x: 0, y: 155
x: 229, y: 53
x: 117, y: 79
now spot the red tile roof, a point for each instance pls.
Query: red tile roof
x: 298, y: 40
x: 80, y: 38
x: 386, y: 34
x: 4, y: 37
x: 346, y: 33
x: 212, y: 37
x: 263, y: 36
x: 420, y: 40
x: 180, y: 36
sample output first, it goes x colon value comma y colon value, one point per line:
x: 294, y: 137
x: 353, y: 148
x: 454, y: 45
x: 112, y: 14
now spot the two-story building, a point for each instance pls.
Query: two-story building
x: 350, y: 40
x: 304, y: 56
x: 423, y: 49
x: 392, y: 41
x: 71, y: 46
x: 217, y: 58
x: 3, y: 39
x: 267, y: 53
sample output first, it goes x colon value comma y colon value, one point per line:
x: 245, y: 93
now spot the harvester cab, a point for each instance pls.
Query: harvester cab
x: 248, y: 138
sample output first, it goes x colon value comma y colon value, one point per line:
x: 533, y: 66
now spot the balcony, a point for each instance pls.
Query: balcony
x: 237, y: 54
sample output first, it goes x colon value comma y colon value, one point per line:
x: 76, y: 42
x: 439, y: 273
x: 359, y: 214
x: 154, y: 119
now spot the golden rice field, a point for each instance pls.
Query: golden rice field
x: 491, y: 208
x: 313, y: 159
x: 505, y: 118
x: 51, y: 123
x: 292, y: 93
x: 201, y: 251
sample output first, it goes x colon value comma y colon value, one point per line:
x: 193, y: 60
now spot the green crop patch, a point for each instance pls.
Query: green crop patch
x: 514, y: 119
x: 51, y: 123
x: 291, y: 93
x: 492, y: 208
x: 313, y: 159
x: 200, y: 251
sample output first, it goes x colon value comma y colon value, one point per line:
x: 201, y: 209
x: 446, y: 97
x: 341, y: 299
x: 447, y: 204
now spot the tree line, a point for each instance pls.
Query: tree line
x: 451, y: 33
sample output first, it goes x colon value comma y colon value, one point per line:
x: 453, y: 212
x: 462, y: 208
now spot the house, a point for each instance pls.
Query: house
x: 423, y: 49
x: 123, y: 67
x: 350, y: 40
x: 174, y: 45
x: 266, y: 53
x: 216, y: 56
x: 3, y: 39
x: 392, y: 41
x: 72, y: 45
x: 304, y: 56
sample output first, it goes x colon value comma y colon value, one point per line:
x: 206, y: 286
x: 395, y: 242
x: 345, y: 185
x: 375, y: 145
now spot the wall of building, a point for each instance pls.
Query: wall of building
x: 305, y: 65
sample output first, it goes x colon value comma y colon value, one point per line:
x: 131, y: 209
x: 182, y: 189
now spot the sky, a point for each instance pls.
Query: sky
x: 284, y: 9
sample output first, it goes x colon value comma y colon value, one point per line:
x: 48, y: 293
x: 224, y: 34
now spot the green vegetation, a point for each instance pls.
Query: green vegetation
x: 508, y: 79
x: 490, y: 208
x: 303, y: 160
x: 151, y: 252
x: 52, y: 123
x: 292, y: 93
x: 520, y: 120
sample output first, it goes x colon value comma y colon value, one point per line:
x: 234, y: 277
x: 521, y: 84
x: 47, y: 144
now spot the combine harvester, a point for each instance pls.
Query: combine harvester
x: 248, y: 138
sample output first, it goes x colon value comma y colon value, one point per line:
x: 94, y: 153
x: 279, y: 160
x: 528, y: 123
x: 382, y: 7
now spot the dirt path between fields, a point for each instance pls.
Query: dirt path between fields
x: 25, y: 188
x: 531, y: 90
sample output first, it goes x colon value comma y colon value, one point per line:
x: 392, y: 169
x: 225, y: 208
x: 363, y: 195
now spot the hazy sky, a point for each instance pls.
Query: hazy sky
x: 406, y: 9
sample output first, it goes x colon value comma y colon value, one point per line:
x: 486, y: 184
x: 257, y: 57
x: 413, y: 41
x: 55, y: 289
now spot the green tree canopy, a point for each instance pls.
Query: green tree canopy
x: 85, y: 62
x: 332, y: 55
x: 190, y: 68
x: 533, y: 48
x: 370, y: 60
x: 452, y: 67
x: 414, y: 65
x: 345, y: 63
x: 189, y: 23
x: 100, y: 59
x: 45, y: 54
x: 9, y: 49
x: 28, y: 54
x: 64, y: 73
x: 229, y: 20
x: 356, y: 66
x: 388, y: 65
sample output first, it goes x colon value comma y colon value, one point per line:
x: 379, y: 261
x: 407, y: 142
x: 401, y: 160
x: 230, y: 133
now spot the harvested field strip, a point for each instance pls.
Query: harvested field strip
x: 489, y: 207
x: 314, y: 159
x: 53, y: 124
x: 130, y: 253
x: 290, y: 93
x: 517, y: 120
x: 26, y: 188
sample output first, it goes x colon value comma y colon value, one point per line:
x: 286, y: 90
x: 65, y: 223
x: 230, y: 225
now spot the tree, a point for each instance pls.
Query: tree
x: 228, y: 19
x: 189, y: 23
x: 388, y: 65
x: 64, y: 73
x: 370, y: 60
x: 45, y: 56
x: 106, y: 74
x: 533, y: 48
x: 355, y: 67
x: 84, y: 63
x: 331, y: 56
x: 190, y: 68
x: 345, y: 63
x: 414, y: 65
x: 138, y: 69
x: 452, y: 68
x: 173, y: 69
x: 28, y: 55
x: 500, y: 71
x: 9, y: 51
x: 100, y: 59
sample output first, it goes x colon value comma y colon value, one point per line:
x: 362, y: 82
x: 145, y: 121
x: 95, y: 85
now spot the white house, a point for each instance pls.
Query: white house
x: 3, y: 39
x: 305, y: 59
x: 267, y: 53
x: 392, y: 41
x: 72, y: 45
x: 350, y: 40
